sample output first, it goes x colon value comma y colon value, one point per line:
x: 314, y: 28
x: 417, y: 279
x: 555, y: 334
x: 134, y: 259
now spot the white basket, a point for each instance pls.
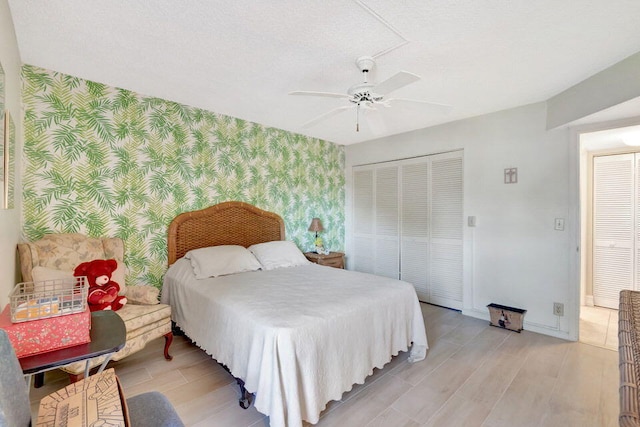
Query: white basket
x: 48, y: 298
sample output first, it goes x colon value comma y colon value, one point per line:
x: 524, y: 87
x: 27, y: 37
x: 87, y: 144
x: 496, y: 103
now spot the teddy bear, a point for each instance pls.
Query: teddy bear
x: 103, y: 292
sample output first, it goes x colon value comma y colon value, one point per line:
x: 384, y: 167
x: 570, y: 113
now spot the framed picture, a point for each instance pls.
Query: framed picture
x: 4, y: 137
x: 7, y: 152
x: 3, y: 161
x: 8, y: 163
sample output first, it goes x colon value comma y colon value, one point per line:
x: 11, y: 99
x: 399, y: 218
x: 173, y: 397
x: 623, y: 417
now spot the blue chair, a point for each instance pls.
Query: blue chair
x: 151, y: 409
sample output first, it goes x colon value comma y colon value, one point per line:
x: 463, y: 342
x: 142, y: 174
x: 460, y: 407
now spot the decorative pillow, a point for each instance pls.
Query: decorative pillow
x: 278, y: 254
x: 217, y: 261
x: 119, y: 276
x: 143, y: 294
x: 40, y: 274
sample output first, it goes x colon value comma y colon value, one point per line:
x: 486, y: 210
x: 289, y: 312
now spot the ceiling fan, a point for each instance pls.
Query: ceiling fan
x: 368, y: 95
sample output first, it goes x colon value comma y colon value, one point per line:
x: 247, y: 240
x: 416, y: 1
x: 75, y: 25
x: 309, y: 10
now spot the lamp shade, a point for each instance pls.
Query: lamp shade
x: 316, y: 225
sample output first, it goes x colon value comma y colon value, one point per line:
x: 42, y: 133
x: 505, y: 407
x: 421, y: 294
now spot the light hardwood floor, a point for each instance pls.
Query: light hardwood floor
x: 474, y: 375
x: 599, y: 326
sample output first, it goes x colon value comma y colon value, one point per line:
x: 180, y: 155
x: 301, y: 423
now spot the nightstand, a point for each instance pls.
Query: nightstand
x: 334, y: 259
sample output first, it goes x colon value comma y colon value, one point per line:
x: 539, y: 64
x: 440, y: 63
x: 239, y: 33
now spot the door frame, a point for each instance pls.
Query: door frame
x: 578, y: 236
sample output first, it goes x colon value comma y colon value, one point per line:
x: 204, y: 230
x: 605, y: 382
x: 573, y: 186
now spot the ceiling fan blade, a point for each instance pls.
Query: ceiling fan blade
x: 395, y: 82
x: 444, y: 108
x: 325, y: 94
x: 326, y: 115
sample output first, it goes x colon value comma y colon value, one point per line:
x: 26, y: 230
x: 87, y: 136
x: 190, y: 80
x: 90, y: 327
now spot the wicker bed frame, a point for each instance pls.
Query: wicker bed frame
x: 629, y: 356
x: 228, y: 223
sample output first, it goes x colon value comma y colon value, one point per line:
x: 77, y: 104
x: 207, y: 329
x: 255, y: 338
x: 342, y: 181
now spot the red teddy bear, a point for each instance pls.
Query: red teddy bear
x: 103, y: 292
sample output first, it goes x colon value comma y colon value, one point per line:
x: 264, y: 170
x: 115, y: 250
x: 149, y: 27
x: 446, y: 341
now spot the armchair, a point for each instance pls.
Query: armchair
x: 59, y: 254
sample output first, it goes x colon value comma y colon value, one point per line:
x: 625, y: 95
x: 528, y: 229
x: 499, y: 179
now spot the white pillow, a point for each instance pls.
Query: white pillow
x: 277, y: 254
x: 119, y: 275
x: 217, y: 261
x: 40, y: 274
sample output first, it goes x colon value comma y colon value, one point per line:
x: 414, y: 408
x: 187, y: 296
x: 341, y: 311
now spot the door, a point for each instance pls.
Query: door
x: 416, y: 227
x: 446, y: 230
x: 408, y: 224
x: 615, y: 231
x: 375, y: 228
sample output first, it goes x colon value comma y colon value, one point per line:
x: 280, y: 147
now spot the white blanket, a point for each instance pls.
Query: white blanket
x: 299, y: 337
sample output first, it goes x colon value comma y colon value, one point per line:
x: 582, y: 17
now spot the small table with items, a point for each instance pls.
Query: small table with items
x: 108, y: 335
x: 333, y: 259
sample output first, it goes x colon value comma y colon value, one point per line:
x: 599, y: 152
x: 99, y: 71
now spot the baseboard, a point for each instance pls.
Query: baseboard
x: 588, y: 301
x: 528, y: 326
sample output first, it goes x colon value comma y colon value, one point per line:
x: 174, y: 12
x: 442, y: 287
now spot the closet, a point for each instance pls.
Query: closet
x: 408, y: 224
x: 616, y: 227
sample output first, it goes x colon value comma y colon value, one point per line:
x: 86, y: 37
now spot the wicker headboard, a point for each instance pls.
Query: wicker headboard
x: 228, y: 223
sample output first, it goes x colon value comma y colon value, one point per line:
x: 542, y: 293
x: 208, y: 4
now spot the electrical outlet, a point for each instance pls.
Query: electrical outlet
x: 558, y: 309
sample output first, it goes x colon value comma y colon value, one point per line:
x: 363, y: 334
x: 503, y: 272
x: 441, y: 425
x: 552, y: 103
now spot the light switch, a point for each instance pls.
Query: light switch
x: 559, y: 224
x: 471, y: 221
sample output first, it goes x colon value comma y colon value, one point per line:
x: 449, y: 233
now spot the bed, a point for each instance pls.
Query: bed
x: 297, y: 336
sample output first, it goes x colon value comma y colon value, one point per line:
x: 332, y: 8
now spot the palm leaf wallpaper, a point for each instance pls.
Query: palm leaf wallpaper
x: 105, y: 161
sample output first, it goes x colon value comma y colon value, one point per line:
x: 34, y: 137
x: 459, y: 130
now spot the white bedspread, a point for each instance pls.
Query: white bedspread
x: 299, y: 337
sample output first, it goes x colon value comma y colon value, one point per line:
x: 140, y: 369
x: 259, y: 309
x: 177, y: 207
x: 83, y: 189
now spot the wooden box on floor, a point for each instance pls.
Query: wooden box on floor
x: 96, y: 400
x: 506, y: 317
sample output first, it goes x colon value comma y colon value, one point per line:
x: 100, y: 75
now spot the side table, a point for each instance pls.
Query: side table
x: 333, y: 259
x: 108, y: 335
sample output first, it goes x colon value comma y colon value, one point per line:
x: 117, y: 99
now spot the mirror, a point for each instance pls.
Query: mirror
x: 3, y: 148
x: 7, y: 150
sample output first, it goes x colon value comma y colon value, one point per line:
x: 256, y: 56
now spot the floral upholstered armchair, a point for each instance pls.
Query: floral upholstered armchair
x: 55, y: 256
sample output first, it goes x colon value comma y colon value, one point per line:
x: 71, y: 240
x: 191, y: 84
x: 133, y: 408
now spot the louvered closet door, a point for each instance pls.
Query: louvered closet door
x: 408, y: 224
x: 363, y: 221
x: 386, y: 222
x: 376, y: 221
x: 614, y: 197
x: 446, y: 230
x: 415, y: 227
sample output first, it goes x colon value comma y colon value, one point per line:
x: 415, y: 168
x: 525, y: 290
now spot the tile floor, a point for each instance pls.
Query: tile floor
x: 473, y: 375
x: 599, y: 327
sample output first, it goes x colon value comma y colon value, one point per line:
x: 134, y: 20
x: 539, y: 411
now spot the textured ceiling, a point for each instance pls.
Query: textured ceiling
x: 242, y: 58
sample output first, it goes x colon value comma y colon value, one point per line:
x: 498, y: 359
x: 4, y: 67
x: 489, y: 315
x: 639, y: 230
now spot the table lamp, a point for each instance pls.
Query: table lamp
x: 316, y: 225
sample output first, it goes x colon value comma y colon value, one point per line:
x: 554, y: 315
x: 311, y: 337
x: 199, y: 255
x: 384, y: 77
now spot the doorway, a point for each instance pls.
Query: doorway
x: 609, y: 199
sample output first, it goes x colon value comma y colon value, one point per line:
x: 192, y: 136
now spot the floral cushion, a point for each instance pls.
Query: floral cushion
x: 143, y: 294
x: 136, y: 316
x: 65, y: 252
x: 56, y: 255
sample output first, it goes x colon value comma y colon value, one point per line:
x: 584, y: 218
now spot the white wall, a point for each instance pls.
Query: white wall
x: 612, y: 86
x: 10, y: 219
x: 513, y: 256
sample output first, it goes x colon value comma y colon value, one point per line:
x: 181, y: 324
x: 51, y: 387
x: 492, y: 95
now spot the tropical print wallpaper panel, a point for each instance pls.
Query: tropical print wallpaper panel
x: 105, y: 161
